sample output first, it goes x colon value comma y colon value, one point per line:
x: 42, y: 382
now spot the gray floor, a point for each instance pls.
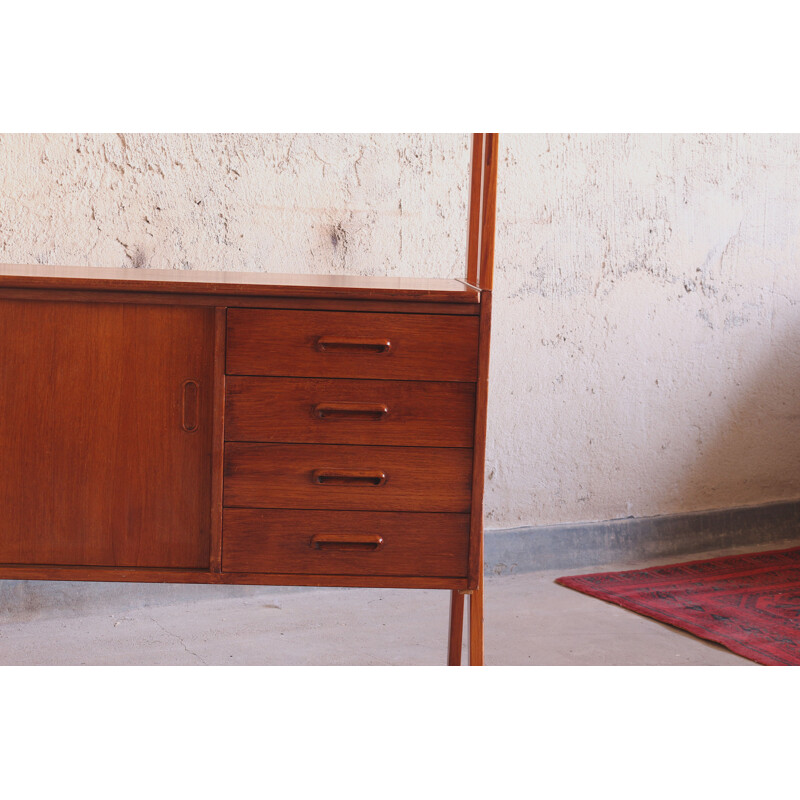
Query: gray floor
x: 529, y: 621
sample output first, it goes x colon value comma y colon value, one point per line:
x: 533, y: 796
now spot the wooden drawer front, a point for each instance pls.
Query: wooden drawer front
x: 352, y: 344
x: 345, y: 543
x: 426, y: 414
x: 347, y: 477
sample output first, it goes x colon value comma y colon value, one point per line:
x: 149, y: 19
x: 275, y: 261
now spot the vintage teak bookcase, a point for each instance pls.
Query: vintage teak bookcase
x: 230, y: 428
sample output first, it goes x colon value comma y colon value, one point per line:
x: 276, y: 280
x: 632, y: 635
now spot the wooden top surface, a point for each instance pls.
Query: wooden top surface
x: 236, y: 283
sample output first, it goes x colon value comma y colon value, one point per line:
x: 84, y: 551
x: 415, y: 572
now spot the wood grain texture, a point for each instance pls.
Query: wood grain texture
x: 287, y: 343
x: 179, y: 281
x: 401, y: 306
x: 283, y: 476
x: 426, y: 545
x: 133, y: 575
x: 338, y: 411
x: 95, y: 465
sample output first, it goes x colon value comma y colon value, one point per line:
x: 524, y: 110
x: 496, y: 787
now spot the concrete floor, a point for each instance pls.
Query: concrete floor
x: 529, y: 621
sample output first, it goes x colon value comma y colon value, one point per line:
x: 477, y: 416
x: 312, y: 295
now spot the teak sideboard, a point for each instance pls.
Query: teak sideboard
x: 237, y: 428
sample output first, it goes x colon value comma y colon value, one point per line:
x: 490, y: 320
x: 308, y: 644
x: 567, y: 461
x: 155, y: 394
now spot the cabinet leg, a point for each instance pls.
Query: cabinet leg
x: 476, y: 627
x: 456, y: 628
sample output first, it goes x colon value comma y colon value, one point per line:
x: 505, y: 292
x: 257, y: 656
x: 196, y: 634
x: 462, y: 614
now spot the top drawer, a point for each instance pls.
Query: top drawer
x: 352, y: 344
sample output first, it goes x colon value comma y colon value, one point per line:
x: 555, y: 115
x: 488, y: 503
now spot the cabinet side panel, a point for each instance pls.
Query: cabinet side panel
x: 105, y: 434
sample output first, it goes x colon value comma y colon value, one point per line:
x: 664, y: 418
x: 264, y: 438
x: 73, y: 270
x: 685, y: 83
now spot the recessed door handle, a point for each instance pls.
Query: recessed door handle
x: 190, y: 407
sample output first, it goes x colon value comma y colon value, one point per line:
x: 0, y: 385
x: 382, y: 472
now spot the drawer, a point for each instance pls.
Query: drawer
x: 345, y: 543
x: 347, y: 477
x: 329, y: 411
x: 352, y: 344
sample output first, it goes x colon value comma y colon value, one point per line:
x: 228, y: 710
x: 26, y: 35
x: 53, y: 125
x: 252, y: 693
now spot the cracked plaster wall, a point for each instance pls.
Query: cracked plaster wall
x: 365, y: 204
x: 646, y: 357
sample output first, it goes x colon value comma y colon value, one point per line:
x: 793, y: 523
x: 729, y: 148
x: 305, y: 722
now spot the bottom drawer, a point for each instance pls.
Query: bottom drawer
x: 345, y: 542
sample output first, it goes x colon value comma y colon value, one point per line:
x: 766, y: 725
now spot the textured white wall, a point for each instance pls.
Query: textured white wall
x: 648, y: 327
x: 364, y: 204
x: 646, y: 354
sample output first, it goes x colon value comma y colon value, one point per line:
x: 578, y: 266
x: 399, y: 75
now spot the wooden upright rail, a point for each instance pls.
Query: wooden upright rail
x: 480, y: 273
x: 482, y: 207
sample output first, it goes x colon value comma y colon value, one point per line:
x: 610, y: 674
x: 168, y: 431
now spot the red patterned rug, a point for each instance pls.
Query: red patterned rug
x: 748, y: 603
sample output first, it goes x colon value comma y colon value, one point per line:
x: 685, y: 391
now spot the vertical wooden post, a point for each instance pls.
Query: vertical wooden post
x: 488, y: 208
x: 480, y: 273
x: 456, y: 628
x: 476, y: 627
x: 478, y: 479
x: 475, y: 209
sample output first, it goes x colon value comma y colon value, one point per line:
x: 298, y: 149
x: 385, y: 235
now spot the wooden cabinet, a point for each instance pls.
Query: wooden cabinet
x: 249, y: 429
x: 178, y: 436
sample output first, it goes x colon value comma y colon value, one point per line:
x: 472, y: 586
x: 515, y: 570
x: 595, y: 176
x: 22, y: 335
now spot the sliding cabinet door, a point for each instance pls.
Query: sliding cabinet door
x: 105, y: 434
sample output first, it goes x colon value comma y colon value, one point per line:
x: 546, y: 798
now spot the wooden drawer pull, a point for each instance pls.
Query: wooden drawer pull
x: 342, y: 477
x: 346, y: 541
x: 190, y: 406
x: 327, y: 344
x: 338, y: 410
